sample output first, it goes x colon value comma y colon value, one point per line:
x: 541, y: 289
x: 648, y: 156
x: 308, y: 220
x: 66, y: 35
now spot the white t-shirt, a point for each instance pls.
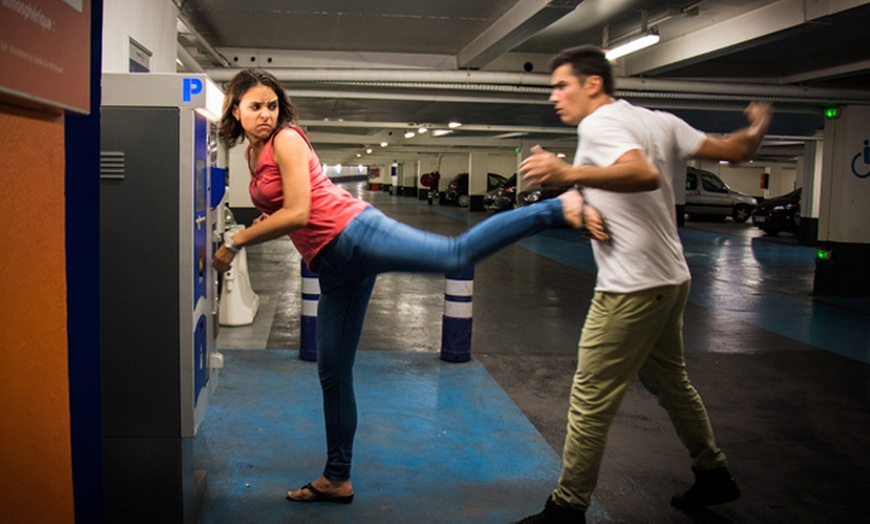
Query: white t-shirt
x: 645, y: 249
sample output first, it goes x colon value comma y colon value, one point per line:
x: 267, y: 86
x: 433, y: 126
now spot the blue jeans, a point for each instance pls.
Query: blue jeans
x: 371, y: 244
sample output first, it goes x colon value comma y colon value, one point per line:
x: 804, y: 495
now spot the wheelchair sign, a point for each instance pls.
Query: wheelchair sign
x: 866, y: 161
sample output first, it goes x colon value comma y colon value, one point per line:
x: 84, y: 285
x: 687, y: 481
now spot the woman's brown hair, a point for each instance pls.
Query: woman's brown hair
x: 231, y: 131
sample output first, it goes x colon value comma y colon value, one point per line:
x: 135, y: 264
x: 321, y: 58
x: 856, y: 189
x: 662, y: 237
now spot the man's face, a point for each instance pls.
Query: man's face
x: 570, y: 96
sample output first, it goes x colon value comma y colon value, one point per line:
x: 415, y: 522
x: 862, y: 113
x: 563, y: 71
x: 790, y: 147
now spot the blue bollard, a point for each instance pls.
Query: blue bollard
x: 308, y: 322
x: 456, y: 322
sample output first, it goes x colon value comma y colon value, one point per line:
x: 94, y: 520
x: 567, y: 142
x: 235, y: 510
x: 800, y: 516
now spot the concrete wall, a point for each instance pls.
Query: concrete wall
x: 151, y: 23
x: 746, y: 178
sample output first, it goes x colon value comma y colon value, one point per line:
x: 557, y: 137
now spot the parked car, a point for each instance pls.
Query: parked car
x: 457, y: 189
x: 707, y: 195
x: 503, y: 197
x: 536, y: 193
x: 782, y: 213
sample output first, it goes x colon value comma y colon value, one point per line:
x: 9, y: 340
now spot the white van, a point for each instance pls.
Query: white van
x: 708, y: 195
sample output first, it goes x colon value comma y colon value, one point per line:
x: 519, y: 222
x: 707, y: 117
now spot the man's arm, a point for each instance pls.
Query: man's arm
x: 740, y: 145
x: 631, y: 173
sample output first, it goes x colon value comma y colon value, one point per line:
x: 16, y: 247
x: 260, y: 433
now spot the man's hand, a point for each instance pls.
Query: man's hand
x: 544, y: 167
x: 759, y: 115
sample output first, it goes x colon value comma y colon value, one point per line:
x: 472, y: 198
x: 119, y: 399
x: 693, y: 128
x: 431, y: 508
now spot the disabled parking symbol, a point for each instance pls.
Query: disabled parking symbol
x: 866, y: 154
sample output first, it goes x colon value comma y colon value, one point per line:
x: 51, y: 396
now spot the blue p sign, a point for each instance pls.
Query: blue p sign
x: 192, y: 86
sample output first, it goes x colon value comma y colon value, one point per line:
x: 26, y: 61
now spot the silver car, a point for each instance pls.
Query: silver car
x: 707, y: 195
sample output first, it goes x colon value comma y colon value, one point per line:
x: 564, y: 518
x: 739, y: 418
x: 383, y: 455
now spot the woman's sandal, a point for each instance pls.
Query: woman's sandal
x: 320, y: 496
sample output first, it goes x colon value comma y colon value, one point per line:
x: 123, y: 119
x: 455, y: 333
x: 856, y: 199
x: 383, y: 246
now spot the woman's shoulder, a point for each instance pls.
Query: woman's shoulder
x: 289, y: 136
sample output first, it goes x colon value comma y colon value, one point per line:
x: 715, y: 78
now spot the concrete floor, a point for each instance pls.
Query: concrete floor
x: 784, y: 376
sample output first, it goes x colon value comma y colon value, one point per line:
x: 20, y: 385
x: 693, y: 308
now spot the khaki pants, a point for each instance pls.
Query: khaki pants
x: 628, y: 335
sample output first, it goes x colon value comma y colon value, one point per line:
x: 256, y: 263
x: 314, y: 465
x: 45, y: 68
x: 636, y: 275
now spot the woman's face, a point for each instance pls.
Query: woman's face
x: 257, y: 111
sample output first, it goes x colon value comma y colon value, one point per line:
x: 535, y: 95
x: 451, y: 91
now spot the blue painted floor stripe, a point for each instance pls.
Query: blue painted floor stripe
x: 437, y: 442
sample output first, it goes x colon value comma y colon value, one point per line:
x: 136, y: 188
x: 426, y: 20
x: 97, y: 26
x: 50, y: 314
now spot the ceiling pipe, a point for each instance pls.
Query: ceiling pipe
x: 187, y: 60
x: 437, y: 77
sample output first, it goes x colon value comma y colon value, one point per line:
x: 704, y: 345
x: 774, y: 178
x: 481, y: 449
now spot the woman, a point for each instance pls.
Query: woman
x: 348, y: 243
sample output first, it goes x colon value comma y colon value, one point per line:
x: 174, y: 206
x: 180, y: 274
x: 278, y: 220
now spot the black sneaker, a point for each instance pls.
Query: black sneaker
x: 556, y: 514
x: 713, y: 486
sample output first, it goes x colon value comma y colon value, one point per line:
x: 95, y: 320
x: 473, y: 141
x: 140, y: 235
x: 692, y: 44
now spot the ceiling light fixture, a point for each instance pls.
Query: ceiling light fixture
x: 441, y: 132
x: 369, y: 151
x: 383, y: 144
x: 422, y: 130
x: 454, y: 124
x: 650, y: 38
x: 409, y: 134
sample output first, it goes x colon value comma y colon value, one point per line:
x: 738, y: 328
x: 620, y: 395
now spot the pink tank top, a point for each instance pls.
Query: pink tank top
x: 332, y: 208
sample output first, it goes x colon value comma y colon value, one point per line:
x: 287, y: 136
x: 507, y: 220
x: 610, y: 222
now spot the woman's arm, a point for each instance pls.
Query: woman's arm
x: 292, y: 155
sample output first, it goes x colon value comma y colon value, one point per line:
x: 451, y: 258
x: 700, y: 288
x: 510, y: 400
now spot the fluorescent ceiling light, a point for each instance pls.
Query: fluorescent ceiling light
x: 383, y: 144
x: 441, y: 132
x: 454, y: 124
x: 422, y: 130
x: 633, y: 45
x: 409, y: 134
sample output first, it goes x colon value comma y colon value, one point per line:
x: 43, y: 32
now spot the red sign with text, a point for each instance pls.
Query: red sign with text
x: 45, y: 49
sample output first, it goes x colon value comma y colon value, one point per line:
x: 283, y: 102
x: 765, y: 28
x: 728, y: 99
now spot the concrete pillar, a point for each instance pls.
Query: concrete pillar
x: 477, y: 174
x: 394, y: 178
x: 844, y: 213
x: 810, y: 173
x: 409, y: 176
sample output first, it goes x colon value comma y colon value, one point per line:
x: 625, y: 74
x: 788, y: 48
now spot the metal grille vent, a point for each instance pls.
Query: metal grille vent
x: 112, y: 165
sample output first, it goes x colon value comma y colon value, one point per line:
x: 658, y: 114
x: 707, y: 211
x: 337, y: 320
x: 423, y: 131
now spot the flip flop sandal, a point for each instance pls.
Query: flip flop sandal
x: 320, y: 496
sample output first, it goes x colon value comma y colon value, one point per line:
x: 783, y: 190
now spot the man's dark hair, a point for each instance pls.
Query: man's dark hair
x: 585, y: 60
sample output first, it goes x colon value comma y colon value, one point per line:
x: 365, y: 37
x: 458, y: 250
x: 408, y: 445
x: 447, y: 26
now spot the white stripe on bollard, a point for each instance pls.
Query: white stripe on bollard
x: 457, y: 309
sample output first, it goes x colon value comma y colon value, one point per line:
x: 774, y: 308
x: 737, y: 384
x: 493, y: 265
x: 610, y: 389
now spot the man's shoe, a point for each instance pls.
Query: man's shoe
x: 713, y: 486
x: 556, y: 514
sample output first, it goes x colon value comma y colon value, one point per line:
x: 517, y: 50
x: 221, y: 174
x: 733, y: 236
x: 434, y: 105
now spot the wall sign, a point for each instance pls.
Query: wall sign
x: 45, y: 48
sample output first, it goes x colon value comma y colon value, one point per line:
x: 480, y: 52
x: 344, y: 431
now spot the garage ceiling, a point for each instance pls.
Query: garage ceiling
x: 364, y: 72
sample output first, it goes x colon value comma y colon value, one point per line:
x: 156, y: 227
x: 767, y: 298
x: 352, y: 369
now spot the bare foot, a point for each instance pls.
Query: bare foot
x: 332, y: 488
x: 581, y: 216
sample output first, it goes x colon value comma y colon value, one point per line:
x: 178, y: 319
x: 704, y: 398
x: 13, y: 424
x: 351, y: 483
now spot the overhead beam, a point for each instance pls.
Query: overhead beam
x: 827, y: 72
x: 523, y: 21
x: 732, y: 34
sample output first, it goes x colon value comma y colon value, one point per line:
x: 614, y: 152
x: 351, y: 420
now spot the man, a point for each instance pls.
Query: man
x: 626, y: 158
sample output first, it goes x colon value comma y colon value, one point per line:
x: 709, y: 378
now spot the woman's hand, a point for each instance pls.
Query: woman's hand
x: 223, y: 259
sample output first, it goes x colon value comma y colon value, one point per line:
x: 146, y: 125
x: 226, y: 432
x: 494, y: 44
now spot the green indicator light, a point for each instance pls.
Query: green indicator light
x: 517, y: 150
x: 831, y: 112
x: 821, y: 254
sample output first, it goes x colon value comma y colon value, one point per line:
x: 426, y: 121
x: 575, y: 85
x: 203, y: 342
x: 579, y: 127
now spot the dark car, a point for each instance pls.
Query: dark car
x: 503, y: 197
x: 536, y: 193
x: 782, y: 213
x: 457, y: 189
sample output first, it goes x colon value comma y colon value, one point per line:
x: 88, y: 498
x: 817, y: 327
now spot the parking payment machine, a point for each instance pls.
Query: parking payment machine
x: 158, y: 289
